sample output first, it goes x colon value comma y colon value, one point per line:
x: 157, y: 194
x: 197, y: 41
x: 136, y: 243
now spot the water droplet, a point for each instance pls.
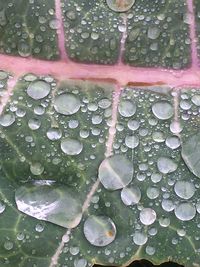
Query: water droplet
x: 173, y: 142
x: 38, y: 89
x: 99, y: 230
x: 166, y: 165
x: 196, y: 100
x: 120, y: 5
x: 115, y: 172
x: 54, y: 134
x: 152, y: 192
x: 47, y: 201
x: 71, y: 146
x: 2, y: 207
x: 39, y: 227
x: 185, y: 211
x: 184, y: 189
x: 36, y: 168
x: 153, y: 32
x: 34, y: 124
x: 54, y: 24
x: 8, y: 245
x: 150, y: 250
x: 140, y: 238
x: 67, y: 104
x: 191, y: 153
x: 163, y: 110
x: 7, y: 119
x: 147, y: 216
x: 132, y: 141
x: 127, y: 108
x: 131, y: 195
x: 80, y: 263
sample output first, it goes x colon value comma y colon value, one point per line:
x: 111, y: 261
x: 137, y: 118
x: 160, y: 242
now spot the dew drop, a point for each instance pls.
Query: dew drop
x: 80, y: 263
x: 196, y: 100
x: 8, y: 245
x: 54, y: 134
x: 132, y: 141
x: 99, y: 230
x: 2, y: 207
x: 147, y: 216
x: 67, y: 104
x: 131, y: 195
x: 185, y: 211
x: 173, y: 142
x: 115, y: 172
x: 38, y: 89
x: 36, y: 168
x: 162, y: 110
x: 140, y: 238
x: 184, y: 189
x: 153, y: 33
x: 47, y: 201
x: 7, y: 119
x: 166, y: 165
x: 71, y: 146
x: 34, y: 124
x: 120, y: 5
x: 127, y: 108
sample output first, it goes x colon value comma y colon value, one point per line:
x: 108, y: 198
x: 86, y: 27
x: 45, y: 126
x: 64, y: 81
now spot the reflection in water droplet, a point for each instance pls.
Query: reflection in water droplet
x: 38, y: 89
x: 140, y: 238
x: 54, y: 134
x: 67, y: 104
x: 185, y: 211
x: 184, y: 189
x: 115, y: 172
x: 147, y: 216
x: 127, y: 108
x: 166, y: 165
x: 162, y: 110
x: 120, y: 5
x: 131, y: 195
x: 99, y: 230
x: 7, y: 119
x: 71, y: 146
x: 47, y: 201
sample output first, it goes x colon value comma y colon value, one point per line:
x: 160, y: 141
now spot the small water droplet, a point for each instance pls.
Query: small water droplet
x: 54, y: 134
x: 2, y: 207
x: 140, y: 238
x: 36, y: 168
x: 131, y: 141
x: 120, y: 5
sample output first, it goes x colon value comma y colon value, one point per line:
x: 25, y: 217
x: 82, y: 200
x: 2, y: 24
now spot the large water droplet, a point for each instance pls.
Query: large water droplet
x: 185, y: 211
x: 99, y: 230
x: 71, y: 146
x: 191, y: 153
x: 116, y: 172
x: 127, y: 108
x: 120, y: 5
x: 147, y: 216
x: 131, y: 195
x: 47, y: 201
x: 38, y: 89
x: 67, y: 104
x: 7, y: 119
x: 166, y: 165
x: 162, y: 110
x: 184, y: 189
